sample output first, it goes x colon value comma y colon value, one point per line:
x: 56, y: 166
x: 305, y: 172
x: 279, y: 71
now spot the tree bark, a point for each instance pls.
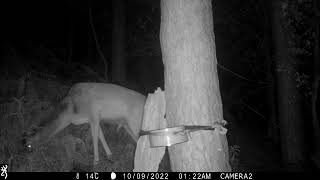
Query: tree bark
x: 191, y: 84
x: 315, y: 86
x: 289, y: 111
x: 273, y: 127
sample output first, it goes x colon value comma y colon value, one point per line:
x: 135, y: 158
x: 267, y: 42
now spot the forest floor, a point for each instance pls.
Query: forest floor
x: 256, y: 154
x: 259, y: 154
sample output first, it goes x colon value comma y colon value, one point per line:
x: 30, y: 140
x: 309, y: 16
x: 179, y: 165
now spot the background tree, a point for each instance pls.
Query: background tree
x: 316, y: 79
x: 289, y: 100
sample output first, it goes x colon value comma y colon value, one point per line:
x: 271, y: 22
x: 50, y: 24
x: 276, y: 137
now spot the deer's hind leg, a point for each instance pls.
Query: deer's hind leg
x: 130, y: 132
x: 104, y: 142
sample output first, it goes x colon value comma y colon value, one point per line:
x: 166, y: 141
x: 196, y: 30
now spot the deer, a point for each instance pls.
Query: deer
x: 93, y: 103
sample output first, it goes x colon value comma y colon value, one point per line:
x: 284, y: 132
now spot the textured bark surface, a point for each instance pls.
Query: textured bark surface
x: 191, y: 84
x: 289, y: 110
x: 147, y: 159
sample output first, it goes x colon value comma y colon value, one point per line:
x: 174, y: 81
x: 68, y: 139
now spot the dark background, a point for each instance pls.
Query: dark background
x: 35, y: 39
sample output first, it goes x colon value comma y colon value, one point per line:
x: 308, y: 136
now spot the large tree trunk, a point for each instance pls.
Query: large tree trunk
x: 191, y: 84
x: 118, y: 42
x: 289, y: 111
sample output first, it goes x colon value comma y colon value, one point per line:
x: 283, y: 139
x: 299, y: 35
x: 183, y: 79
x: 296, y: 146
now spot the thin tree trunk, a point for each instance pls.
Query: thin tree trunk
x: 273, y: 129
x: 316, y: 79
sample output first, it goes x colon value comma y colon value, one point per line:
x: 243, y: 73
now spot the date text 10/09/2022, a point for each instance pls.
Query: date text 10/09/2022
x: 134, y: 175
x: 186, y: 175
x: 164, y: 175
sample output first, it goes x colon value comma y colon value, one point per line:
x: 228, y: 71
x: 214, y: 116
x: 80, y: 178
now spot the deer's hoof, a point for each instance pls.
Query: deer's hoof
x: 95, y: 162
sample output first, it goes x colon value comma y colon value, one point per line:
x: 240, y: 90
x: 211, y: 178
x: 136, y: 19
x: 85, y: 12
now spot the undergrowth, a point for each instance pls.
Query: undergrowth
x: 70, y: 150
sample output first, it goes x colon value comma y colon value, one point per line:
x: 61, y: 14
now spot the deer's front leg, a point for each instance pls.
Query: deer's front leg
x: 95, y: 133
